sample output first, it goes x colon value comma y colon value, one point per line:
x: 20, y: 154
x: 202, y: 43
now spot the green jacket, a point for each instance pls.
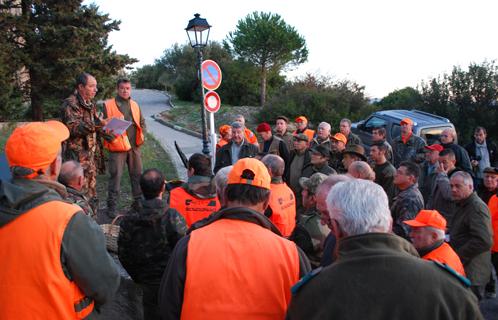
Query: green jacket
x: 379, y: 276
x: 471, y: 237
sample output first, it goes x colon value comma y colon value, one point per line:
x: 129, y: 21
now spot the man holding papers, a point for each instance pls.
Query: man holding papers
x: 127, y: 124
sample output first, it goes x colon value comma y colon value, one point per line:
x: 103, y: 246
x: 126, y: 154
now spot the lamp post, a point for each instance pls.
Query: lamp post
x: 198, y: 35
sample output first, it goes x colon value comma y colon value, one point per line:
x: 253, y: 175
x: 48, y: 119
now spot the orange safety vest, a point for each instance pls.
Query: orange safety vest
x: 191, y: 207
x: 238, y: 270
x: 250, y: 136
x: 309, y: 133
x: 221, y: 143
x: 32, y: 281
x: 445, y: 254
x: 283, y: 206
x: 121, y: 142
x: 493, y: 209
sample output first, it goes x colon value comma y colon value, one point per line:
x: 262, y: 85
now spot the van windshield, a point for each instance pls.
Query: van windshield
x: 431, y: 135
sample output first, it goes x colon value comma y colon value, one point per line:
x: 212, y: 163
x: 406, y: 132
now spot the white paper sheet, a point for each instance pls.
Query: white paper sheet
x: 118, y: 126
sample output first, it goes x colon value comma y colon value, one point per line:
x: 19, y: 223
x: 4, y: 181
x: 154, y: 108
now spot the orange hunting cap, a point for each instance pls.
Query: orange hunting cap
x: 250, y: 171
x: 301, y: 119
x: 407, y: 121
x: 35, y: 145
x: 340, y: 137
x: 428, y: 218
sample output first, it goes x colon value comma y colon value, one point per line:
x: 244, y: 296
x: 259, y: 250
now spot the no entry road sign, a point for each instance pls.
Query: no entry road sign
x: 211, y: 75
x: 212, y: 101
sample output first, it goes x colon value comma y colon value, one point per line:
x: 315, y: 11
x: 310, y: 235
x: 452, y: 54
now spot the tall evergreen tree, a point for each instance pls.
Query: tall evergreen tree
x: 268, y: 42
x: 55, y: 40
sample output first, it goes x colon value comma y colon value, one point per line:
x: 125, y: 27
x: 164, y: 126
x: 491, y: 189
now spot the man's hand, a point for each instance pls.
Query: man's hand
x: 440, y: 169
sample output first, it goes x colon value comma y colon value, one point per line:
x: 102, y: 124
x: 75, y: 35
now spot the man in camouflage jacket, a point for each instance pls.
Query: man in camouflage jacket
x: 79, y: 114
x: 147, y: 237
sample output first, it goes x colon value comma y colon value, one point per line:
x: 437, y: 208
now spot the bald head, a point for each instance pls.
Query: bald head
x: 361, y: 170
x: 275, y: 165
x: 71, y: 175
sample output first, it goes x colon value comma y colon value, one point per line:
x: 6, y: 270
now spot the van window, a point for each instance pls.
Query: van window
x: 395, y: 130
x: 374, y: 122
x: 431, y: 135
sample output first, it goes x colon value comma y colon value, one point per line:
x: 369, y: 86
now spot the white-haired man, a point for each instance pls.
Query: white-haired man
x: 322, y: 136
x: 377, y: 275
x: 470, y: 232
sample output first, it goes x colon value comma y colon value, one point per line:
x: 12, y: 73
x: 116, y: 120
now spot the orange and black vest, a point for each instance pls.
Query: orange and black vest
x: 445, y: 254
x: 191, y: 207
x: 121, y: 142
x: 308, y: 132
x: 32, y: 282
x: 493, y: 209
x: 283, y: 207
x: 238, y: 270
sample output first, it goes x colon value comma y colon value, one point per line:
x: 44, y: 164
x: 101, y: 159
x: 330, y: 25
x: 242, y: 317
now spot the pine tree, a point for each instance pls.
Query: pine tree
x: 55, y: 40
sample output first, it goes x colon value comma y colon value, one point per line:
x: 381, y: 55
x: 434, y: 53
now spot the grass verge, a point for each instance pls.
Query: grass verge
x: 188, y: 115
x: 153, y: 156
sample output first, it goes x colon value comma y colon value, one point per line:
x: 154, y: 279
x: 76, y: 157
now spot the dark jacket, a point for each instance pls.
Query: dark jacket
x: 492, y: 149
x: 146, y: 239
x: 384, y: 176
x: 310, y: 169
x: 173, y: 282
x: 426, y: 180
x: 440, y: 198
x: 224, y: 154
x: 81, y: 200
x: 84, y: 258
x: 310, y: 235
x: 406, y: 206
x: 484, y: 193
x: 461, y: 156
x: 412, y: 150
x: 379, y: 276
x: 335, y: 162
x: 471, y: 237
x: 353, y: 139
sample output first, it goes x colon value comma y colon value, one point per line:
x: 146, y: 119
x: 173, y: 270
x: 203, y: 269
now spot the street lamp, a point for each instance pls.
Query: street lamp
x: 198, y: 35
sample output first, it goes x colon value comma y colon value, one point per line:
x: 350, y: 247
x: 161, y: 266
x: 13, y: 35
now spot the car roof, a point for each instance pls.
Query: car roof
x: 420, y: 118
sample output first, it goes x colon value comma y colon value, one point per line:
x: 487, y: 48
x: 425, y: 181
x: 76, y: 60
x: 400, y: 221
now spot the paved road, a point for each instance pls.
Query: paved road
x: 153, y: 102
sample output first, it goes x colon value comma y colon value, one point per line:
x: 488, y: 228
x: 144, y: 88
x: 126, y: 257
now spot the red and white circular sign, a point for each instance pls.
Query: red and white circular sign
x: 212, y: 101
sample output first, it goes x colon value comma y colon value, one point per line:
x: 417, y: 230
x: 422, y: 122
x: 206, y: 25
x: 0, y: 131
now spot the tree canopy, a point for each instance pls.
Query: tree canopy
x: 55, y: 40
x: 267, y: 41
x: 466, y: 96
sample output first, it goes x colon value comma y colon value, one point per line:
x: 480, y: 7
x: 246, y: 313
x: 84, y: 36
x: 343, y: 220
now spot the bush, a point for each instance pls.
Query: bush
x: 319, y: 99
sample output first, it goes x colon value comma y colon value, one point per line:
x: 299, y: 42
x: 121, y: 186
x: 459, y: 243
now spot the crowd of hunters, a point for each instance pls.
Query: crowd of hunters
x: 284, y: 224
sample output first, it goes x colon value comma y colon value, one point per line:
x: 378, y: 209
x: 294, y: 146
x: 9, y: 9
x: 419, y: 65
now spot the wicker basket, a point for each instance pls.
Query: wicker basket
x: 111, y: 232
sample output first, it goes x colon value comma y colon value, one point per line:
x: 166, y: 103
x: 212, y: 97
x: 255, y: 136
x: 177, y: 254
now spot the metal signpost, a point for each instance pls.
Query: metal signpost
x: 211, y: 80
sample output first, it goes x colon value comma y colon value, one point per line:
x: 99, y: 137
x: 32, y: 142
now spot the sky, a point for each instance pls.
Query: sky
x: 383, y: 45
